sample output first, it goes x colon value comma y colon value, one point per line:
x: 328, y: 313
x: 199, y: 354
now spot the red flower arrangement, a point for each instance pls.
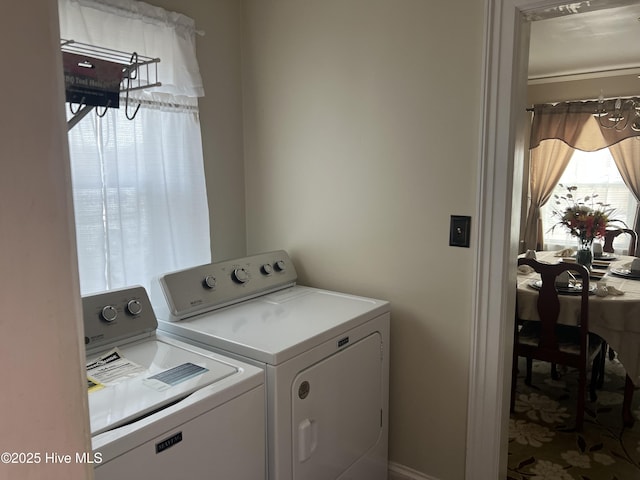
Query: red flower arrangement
x: 586, y: 222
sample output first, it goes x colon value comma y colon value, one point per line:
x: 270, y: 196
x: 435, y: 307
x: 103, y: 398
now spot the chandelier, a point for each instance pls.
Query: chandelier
x: 621, y: 112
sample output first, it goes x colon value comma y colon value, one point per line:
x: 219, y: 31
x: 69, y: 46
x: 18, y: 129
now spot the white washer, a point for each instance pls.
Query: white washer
x: 325, y: 354
x: 164, y: 409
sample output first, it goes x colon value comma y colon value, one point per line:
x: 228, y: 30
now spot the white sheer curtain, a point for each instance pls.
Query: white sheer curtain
x: 139, y: 191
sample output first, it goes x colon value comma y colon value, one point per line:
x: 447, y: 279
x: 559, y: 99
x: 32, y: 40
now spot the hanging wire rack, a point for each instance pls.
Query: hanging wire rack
x: 138, y: 72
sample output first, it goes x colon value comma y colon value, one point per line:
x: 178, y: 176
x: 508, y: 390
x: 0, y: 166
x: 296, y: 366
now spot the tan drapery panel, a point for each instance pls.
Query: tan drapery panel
x: 626, y: 154
x: 548, y: 161
x: 563, y: 122
x: 575, y: 124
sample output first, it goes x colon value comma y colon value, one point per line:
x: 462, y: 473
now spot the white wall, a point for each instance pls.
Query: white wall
x: 43, y: 406
x: 361, y: 139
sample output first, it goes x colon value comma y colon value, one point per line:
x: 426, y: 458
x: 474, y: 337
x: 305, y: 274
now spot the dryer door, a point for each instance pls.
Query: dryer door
x: 337, y: 410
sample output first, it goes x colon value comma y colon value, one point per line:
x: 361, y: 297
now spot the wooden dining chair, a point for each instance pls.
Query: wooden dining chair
x: 611, y: 234
x: 550, y: 341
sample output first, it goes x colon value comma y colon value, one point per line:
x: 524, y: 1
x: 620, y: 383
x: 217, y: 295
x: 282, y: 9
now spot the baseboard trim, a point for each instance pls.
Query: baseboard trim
x: 401, y: 472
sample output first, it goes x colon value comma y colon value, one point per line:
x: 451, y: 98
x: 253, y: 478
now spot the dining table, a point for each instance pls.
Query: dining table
x: 614, y: 309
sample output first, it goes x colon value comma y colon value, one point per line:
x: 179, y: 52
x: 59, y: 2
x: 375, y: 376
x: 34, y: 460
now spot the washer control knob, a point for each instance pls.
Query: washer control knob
x: 266, y: 269
x: 240, y: 275
x: 134, y: 307
x: 209, y: 282
x: 109, y: 313
x: 279, y: 266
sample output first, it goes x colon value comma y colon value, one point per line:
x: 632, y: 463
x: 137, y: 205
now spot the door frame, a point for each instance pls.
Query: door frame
x: 504, y: 83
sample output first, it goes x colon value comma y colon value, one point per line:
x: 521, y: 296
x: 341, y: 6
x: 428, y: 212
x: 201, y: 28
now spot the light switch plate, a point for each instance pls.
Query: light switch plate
x: 459, y: 231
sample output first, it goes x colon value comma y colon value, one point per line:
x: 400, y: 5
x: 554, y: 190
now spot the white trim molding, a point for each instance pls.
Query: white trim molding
x: 501, y: 154
x: 401, y: 472
x: 572, y: 77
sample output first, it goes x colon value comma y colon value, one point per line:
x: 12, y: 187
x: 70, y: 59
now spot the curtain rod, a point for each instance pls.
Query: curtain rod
x: 531, y: 109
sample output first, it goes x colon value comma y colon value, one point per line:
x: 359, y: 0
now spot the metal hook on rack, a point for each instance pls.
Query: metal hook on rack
x: 126, y: 104
x: 104, y: 112
x: 131, y: 74
x: 126, y: 109
x: 82, y: 112
x: 80, y: 105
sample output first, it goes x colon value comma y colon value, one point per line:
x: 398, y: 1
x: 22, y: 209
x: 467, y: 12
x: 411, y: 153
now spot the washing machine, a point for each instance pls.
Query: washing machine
x: 325, y: 356
x: 164, y: 409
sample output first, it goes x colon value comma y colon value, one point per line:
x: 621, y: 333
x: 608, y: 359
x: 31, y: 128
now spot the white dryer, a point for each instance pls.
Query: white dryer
x: 325, y: 354
x: 164, y: 409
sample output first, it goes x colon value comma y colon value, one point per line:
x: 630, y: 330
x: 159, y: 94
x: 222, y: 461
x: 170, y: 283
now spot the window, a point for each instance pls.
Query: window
x: 139, y: 197
x: 591, y: 172
x: 138, y: 185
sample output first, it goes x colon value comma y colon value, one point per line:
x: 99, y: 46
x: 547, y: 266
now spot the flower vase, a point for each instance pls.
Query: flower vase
x: 584, y: 255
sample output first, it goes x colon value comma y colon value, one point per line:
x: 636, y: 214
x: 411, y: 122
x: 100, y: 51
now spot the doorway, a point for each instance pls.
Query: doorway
x: 502, y: 152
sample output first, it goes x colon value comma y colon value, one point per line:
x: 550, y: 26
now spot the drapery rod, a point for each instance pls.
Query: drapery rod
x: 636, y: 99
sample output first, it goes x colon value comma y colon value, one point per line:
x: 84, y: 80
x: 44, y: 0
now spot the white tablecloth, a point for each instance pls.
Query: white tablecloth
x: 614, y: 318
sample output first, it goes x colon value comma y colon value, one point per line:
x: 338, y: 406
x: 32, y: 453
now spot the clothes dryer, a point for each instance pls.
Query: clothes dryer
x: 325, y: 355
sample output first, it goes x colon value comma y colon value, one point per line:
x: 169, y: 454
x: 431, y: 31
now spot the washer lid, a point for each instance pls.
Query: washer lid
x: 166, y: 374
x: 278, y: 326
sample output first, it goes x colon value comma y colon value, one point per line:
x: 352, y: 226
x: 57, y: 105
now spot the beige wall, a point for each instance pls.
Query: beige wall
x: 43, y: 405
x: 586, y: 89
x: 351, y: 164
x: 361, y: 139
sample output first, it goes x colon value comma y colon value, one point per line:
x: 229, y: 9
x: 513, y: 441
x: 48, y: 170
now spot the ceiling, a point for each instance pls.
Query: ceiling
x: 598, y: 43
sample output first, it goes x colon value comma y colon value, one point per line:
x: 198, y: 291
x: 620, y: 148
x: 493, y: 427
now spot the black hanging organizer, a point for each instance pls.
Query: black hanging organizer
x: 97, y: 77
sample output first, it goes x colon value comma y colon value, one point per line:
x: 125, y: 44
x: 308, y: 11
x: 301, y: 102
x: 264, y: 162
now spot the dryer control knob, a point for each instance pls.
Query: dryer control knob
x: 109, y: 313
x: 134, y: 307
x: 279, y: 266
x: 266, y: 269
x: 240, y: 275
x: 209, y: 282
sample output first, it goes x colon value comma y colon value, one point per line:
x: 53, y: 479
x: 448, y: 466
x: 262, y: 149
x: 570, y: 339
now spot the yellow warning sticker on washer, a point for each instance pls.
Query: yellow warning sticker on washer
x: 93, y: 384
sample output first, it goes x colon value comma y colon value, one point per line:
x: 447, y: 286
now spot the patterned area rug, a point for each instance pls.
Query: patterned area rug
x: 543, y: 444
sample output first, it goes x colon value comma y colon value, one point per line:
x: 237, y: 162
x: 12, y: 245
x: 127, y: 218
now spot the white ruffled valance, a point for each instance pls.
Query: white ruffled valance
x: 133, y: 26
